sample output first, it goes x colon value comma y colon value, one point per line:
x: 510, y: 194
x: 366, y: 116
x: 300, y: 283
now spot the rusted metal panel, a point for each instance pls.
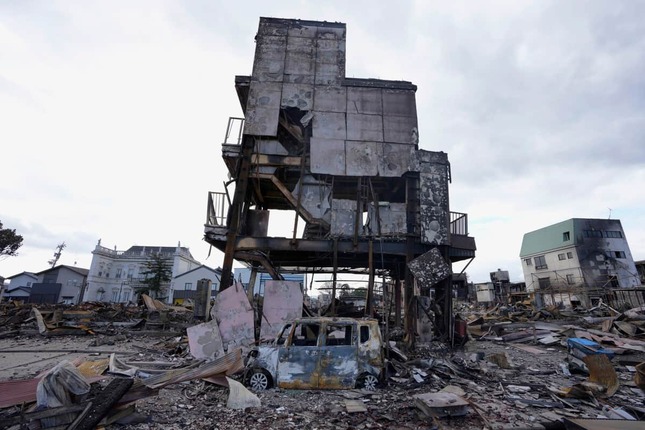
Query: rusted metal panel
x: 303, y: 31
x: 394, y: 159
x: 364, y: 127
x: 330, y: 99
x: 205, y: 340
x: 273, y: 27
x: 298, y: 95
x: 338, y: 367
x: 299, y: 66
x: 434, y: 197
x: 393, y: 219
x: 282, y: 303
x: 429, y: 268
x: 329, y: 125
x: 400, y: 129
x: 333, y: 32
x: 327, y: 156
x: 362, y: 158
x: 367, y: 101
x: 330, y: 61
x: 343, y: 215
x: 234, y: 315
x: 315, y: 197
x: 270, y: 52
x: 399, y: 103
x: 298, y: 367
x: 263, y: 109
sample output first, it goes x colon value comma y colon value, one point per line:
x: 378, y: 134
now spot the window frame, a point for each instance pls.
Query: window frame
x: 540, y: 259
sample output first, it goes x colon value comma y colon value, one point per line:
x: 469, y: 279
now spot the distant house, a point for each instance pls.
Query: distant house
x: 184, y: 285
x: 576, y: 260
x: 60, y: 284
x: 19, y: 287
x: 115, y: 276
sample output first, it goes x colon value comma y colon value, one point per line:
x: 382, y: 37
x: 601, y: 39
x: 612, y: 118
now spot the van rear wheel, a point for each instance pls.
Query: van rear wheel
x: 367, y: 382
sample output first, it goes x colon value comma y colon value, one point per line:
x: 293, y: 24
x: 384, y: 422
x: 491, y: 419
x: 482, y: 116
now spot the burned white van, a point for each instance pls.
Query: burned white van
x: 319, y: 352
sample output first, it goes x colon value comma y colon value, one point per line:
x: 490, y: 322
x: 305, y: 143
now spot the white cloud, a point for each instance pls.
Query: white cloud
x: 113, y: 113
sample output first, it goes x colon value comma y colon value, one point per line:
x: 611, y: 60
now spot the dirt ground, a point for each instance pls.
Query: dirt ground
x: 517, y: 394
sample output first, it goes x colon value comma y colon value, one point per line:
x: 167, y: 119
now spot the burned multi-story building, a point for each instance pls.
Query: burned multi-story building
x: 342, y: 154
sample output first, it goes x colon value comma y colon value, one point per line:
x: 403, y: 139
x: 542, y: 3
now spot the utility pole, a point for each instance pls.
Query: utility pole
x: 57, y: 254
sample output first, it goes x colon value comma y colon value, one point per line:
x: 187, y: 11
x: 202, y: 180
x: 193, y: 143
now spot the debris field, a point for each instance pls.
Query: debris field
x: 101, y: 366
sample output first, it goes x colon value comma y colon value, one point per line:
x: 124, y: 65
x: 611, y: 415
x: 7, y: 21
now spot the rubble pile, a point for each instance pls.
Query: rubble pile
x: 518, y: 369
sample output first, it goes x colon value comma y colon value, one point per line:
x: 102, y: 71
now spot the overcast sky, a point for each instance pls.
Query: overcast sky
x: 112, y: 114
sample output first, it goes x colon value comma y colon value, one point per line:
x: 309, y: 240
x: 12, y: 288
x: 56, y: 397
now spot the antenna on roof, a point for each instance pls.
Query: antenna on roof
x: 609, y: 213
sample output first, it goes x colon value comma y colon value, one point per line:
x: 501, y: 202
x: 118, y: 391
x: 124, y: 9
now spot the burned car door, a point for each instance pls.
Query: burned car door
x: 298, y: 358
x: 339, y: 356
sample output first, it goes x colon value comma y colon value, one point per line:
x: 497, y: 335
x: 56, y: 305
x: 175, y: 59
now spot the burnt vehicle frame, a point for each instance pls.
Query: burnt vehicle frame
x: 319, y: 353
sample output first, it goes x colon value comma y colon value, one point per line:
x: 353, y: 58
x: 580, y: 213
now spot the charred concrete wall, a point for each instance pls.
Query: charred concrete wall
x: 348, y: 127
x: 603, y: 253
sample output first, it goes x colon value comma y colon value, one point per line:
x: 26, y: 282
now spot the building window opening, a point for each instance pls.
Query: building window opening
x: 566, y: 236
x: 561, y: 257
x: 540, y: 262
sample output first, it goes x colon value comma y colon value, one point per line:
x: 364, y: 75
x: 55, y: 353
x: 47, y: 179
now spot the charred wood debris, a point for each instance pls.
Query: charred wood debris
x: 100, y: 365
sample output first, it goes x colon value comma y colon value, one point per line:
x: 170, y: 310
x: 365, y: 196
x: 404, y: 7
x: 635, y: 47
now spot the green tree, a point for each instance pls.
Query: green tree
x: 9, y: 242
x: 157, y: 274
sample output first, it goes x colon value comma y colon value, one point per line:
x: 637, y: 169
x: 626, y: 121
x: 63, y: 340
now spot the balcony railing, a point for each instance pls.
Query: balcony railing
x: 217, y: 208
x: 234, y: 131
x: 459, y: 223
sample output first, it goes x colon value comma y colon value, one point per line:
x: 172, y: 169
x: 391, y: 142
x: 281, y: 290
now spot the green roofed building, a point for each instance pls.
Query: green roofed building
x: 577, y: 260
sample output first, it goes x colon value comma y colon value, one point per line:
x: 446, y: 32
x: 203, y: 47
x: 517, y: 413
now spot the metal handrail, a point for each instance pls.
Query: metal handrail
x: 459, y: 223
x: 217, y: 208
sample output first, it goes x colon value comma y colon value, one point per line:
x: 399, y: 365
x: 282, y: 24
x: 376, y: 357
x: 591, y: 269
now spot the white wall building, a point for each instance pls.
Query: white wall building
x: 184, y: 285
x: 115, y: 275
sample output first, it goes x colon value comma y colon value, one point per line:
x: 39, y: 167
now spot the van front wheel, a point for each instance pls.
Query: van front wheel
x: 367, y: 382
x: 259, y: 380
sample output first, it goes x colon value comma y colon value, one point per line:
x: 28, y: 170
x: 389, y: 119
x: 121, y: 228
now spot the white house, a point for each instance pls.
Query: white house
x: 115, y: 275
x: 19, y: 287
x: 184, y: 285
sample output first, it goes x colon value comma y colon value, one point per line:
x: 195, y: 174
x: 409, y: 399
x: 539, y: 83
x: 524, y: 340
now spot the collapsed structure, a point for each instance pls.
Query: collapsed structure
x: 342, y: 154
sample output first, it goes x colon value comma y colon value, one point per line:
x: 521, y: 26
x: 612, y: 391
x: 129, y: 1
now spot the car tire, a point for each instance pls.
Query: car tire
x: 259, y: 380
x: 368, y: 382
